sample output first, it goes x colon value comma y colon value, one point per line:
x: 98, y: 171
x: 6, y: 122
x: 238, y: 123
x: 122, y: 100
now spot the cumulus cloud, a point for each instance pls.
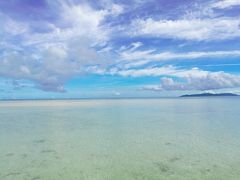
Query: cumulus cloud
x: 211, y: 81
x: 50, y: 58
x: 174, y: 78
x: 52, y: 68
x: 196, y: 79
x: 62, y: 45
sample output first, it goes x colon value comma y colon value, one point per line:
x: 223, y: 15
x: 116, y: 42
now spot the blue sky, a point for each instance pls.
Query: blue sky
x: 118, y: 48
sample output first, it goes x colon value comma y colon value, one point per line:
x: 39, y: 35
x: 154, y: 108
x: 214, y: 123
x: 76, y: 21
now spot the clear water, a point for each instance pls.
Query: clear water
x: 175, y: 139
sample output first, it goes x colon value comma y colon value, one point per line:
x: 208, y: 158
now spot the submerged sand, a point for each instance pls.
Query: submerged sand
x: 120, y: 139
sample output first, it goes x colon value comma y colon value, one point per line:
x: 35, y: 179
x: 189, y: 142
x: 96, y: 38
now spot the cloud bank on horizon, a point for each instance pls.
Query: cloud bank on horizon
x: 178, y: 45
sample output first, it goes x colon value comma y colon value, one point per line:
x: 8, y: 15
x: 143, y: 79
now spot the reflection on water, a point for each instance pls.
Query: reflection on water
x: 120, y: 139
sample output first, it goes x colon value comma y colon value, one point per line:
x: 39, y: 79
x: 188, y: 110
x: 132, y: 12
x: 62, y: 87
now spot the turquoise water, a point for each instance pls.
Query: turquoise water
x: 148, y: 139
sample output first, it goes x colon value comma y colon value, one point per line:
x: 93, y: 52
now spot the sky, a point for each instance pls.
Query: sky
x: 118, y: 48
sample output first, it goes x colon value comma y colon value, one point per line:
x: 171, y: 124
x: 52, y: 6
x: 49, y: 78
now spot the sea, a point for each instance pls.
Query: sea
x: 120, y: 139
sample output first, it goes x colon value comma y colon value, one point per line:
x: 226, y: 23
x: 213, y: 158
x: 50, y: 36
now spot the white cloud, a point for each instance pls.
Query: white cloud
x: 174, y: 78
x: 13, y: 27
x: 189, y: 29
x: 148, y: 54
x: 158, y: 71
x: 211, y: 81
x: 225, y: 4
x: 237, y: 91
x: 116, y: 9
x: 135, y: 57
x: 55, y: 64
x: 201, y: 22
x: 155, y: 71
x: 50, y: 58
x: 75, y: 22
x: 67, y: 45
x: 196, y: 79
x: 84, y: 20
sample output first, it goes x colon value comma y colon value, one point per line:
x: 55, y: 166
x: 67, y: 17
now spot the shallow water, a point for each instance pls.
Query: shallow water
x: 148, y: 139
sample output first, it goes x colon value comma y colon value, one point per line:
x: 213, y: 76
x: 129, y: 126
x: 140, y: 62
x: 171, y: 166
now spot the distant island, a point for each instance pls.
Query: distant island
x: 209, y: 94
